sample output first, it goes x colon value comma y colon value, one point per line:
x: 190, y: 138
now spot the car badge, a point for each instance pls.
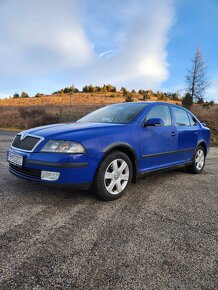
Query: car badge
x: 22, y: 136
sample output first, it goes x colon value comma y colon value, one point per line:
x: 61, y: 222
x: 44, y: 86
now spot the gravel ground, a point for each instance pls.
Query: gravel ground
x: 162, y: 234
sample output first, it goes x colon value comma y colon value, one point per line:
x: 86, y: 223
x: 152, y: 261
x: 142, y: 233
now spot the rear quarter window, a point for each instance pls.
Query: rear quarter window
x: 193, y: 121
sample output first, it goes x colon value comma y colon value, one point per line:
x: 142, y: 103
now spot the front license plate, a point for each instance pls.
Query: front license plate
x: 15, y: 159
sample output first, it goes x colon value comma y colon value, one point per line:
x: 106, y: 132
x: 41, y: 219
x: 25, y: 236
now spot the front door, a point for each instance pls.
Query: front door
x: 158, y: 143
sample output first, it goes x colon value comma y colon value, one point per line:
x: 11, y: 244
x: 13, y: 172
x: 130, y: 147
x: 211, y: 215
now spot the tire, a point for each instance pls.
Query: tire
x: 113, y: 176
x: 198, y: 161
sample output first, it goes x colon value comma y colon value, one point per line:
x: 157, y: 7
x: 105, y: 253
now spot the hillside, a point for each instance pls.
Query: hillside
x: 29, y: 112
x: 74, y: 99
x: 24, y: 113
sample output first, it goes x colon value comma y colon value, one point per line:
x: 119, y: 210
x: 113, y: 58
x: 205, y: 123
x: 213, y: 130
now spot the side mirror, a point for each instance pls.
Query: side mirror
x: 154, y: 122
x: 204, y: 124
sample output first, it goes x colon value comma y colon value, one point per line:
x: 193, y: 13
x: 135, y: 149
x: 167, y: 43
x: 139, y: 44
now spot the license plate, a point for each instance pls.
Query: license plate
x: 15, y: 159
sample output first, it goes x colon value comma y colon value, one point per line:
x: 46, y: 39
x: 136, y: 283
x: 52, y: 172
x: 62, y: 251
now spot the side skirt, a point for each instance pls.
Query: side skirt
x: 168, y: 168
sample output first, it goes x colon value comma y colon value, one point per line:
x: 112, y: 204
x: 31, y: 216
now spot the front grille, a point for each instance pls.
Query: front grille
x: 25, y: 172
x: 28, y: 143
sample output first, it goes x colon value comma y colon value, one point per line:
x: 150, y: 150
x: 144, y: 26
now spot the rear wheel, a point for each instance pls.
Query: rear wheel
x: 113, y: 176
x: 198, y: 161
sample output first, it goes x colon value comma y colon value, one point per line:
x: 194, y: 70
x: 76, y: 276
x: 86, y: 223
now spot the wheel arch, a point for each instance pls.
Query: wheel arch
x: 129, y: 151
x: 203, y: 144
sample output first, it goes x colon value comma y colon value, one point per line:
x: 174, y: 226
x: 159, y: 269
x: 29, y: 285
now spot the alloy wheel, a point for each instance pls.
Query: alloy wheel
x: 199, y: 159
x: 116, y: 176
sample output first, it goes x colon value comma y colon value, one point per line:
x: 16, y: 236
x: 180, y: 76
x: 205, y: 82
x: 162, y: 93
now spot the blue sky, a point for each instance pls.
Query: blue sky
x: 47, y: 45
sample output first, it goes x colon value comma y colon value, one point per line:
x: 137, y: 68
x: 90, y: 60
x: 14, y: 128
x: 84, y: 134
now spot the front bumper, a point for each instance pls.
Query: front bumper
x: 73, y: 168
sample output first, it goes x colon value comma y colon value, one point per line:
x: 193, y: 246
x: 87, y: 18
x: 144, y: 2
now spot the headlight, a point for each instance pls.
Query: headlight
x: 63, y: 147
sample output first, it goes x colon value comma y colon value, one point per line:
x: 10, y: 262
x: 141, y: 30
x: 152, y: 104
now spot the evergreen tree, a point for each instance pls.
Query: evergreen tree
x: 187, y: 101
x: 24, y: 95
x: 16, y: 95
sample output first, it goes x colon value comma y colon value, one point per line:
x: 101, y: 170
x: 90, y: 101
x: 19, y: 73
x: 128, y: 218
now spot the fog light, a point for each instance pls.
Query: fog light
x: 49, y: 175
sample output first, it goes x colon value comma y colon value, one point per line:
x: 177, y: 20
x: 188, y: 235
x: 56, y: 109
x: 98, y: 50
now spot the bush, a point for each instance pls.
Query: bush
x: 71, y: 89
x: 146, y: 94
x: 24, y: 95
x: 129, y: 97
x: 208, y: 104
x: 67, y: 90
x: 200, y: 101
x: 97, y: 89
x: 38, y: 95
x: 173, y: 96
x: 162, y: 96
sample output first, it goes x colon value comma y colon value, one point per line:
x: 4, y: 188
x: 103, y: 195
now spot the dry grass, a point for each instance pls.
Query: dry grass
x: 210, y: 117
x: 24, y: 117
x: 30, y: 112
x: 17, y: 113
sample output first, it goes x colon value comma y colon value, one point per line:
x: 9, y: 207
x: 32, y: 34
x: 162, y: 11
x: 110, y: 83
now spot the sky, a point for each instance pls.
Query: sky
x: 139, y: 44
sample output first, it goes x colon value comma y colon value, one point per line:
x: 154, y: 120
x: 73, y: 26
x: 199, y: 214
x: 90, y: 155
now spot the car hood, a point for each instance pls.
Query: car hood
x: 65, y: 128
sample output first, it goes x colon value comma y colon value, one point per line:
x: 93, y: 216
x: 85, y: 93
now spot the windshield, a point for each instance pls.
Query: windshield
x: 118, y: 113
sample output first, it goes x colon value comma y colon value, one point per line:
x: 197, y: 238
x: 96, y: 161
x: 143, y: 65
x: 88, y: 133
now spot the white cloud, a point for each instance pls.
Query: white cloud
x: 46, y: 42
x: 106, y: 53
x: 41, y: 35
x: 141, y: 58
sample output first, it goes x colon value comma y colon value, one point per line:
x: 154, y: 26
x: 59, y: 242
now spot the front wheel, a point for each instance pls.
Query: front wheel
x: 198, y: 161
x: 113, y: 176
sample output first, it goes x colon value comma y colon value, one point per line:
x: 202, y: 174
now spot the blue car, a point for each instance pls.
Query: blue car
x: 107, y: 149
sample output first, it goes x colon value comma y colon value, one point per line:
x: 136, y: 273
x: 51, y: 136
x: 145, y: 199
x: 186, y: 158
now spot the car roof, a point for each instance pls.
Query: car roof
x: 152, y: 103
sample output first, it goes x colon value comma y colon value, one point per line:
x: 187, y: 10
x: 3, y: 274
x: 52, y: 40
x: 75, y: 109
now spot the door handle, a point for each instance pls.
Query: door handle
x: 173, y: 133
x: 196, y: 132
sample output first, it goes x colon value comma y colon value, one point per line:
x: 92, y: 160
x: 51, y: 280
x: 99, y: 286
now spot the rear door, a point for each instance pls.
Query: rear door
x: 188, y: 131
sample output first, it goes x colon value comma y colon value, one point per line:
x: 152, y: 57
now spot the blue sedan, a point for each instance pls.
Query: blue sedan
x: 107, y: 149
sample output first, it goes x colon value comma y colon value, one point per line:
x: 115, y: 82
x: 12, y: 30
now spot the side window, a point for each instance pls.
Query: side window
x: 161, y: 112
x: 181, y: 117
x: 192, y: 120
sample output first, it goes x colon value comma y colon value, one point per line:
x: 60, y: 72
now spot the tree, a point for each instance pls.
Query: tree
x: 62, y: 93
x: 73, y: 89
x: 16, y: 95
x: 111, y: 88
x: 85, y: 89
x: 187, y: 101
x: 24, y: 95
x: 196, y: 78
x: 89, y: 89
x: 123, y: 90
x: 104, y: 89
